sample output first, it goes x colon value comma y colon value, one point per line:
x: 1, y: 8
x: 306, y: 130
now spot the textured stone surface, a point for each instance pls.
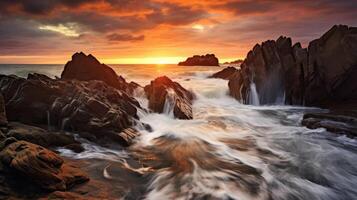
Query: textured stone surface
x: 163, y: 88
x: 41, y: 165
x: 321, y: 75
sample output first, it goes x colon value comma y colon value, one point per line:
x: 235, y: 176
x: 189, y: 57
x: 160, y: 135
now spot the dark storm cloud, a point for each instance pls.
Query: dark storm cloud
x: 124, y: 37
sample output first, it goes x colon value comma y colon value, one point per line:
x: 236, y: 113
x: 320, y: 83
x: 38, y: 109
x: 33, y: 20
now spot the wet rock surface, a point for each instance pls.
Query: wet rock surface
x: 337, y: 121
x: 203, y: 60
x: 163, y: 91
x: 320, y: 75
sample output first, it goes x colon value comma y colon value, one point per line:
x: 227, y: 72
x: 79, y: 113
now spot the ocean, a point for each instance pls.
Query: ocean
x: 228, y: 151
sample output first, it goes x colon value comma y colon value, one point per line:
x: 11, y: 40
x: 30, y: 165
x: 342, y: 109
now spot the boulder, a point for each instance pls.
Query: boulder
x: 203, y: 60
x: 3, y: 119
x: 86, y: 67
x: 225, y: 73
x: 82, y: 106
x: 40, y: 136
x: 163, y: 91
x: 335, y: 122
x: 42, y: 166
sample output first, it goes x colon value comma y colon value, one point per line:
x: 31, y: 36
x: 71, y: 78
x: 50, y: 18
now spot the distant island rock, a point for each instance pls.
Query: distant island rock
x: 203, y: 60
x: 235, y: 62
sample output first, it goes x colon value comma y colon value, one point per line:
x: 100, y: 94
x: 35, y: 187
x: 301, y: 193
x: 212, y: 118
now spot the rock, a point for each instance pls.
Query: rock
x: 59, y: 195
x: 284, y: 73
x: 332, y: 122
x: 226, y: 73
x: 3, y: 119
x: 272, y: 67
x: 82, y: 106
x: 163, y: 90
x: 86, y: 67
x: 236, y: 86
x: 42, y: 166
x: 332, y: 67
x: 39, y: 136
x: 235, y: 62
x: 204, y: 60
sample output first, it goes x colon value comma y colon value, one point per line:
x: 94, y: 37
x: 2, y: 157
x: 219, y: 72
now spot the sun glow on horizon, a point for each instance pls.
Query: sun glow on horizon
x: 144, y: 60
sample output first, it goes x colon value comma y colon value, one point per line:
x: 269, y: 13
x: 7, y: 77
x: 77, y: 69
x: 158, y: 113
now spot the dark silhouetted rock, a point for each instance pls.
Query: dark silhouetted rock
x: 86, y: 67
x: 204, y: 60
x: 42, y: 166
x: 332, y: 67
x: 273, y: 68
x: 321, y: 75
x: 3, y: 119
x: 83, y: 106
x: 163, y: 91
x: 226, y: 73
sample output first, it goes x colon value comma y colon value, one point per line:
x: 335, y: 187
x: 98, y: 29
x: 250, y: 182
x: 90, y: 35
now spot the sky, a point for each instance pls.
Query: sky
x: 158, y: 31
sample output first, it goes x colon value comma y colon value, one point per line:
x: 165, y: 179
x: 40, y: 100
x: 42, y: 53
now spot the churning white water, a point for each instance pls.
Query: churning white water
x: 253, y: 95
x: 229, y: 150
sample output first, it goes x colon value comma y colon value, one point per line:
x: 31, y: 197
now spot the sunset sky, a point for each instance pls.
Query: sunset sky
x: 157, y: 31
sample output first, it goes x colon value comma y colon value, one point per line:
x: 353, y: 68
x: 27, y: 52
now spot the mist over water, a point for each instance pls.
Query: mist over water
x: 229, y: 150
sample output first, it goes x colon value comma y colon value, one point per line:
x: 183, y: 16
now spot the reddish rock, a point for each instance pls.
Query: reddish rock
x: 42, y: 166
x: 225, y: 73
x: 163, y: 89
x: 204, y: 60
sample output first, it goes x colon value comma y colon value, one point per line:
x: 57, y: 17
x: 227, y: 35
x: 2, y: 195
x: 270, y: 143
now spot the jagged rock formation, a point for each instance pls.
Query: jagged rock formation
x: 321, y: 75
x: 203, y: 60
x: 163, y: 91
x: 225, y: 73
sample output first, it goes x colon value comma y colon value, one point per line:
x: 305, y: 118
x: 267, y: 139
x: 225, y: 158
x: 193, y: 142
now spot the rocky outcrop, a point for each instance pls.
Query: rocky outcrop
x: 42, y: 166
x: 332, y: 67
x: 336, y: 122
x: 82, y: 106
x: 3, y: 119
x: 86, y: 67
x: 203, y: 60
x: 167, y: 96
x: 284, y: 73
x: 225, y: 73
